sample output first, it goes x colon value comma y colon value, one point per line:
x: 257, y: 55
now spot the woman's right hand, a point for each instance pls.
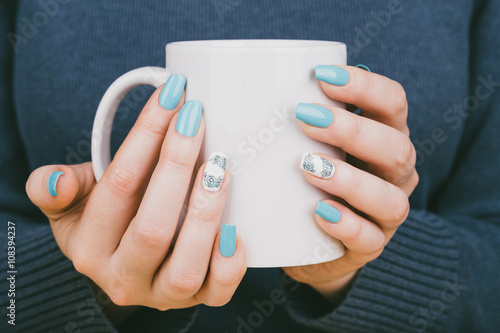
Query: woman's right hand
x: 119, y: 231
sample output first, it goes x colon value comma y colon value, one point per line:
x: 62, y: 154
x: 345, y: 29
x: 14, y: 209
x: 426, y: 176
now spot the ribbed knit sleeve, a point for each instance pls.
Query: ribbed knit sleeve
x: 411, y: 286
x: 44, y: 293
x: 440, y: 271
x: 49, y: 294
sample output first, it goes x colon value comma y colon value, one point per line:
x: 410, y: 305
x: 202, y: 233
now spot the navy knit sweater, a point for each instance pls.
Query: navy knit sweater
x: 440, y: 272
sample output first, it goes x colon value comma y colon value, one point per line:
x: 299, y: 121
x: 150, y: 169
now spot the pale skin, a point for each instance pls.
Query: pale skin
x: 118, y: 232
x: 375, y: 184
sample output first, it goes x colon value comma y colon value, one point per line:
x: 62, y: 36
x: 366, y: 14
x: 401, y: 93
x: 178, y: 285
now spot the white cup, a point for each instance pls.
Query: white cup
x: 249, y: 90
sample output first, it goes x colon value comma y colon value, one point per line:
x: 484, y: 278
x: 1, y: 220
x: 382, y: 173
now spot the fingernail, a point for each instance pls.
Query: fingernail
x: 52, y: 182
x: 332, y: 74
x: 317, y: 166
x: 363, y: 67
x: 172, y: 91
x: 227, y: 240
x: 189, y: 118
x: 214, y: 172
x: 314, y: 115
x: 327, y: 212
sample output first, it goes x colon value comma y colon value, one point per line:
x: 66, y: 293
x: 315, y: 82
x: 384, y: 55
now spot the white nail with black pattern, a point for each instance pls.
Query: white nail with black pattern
x: 214, y: 171
x: 317, y: 166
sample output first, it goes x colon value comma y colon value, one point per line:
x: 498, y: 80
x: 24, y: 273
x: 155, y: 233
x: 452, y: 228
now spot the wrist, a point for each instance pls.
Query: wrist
x: 335, y: 291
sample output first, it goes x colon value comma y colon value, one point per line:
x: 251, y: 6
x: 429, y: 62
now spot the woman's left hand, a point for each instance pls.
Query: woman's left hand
x: 376, y: 181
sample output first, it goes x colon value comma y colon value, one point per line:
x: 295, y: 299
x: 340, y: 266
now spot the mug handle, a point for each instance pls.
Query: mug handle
x: 103, y: 122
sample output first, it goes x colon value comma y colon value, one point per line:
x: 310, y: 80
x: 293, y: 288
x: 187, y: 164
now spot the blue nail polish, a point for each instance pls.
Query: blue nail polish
x: 227, y: 240
x: 363, y: 67
x: 314, y: 115
x: 172, y: 91
x: 52, y: 182
x: 332, y: 74
x: 189, y: 118
x: 327, y: 212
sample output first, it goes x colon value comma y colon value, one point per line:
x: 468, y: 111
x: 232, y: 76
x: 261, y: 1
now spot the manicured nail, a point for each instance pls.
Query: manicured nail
x: 327, y: 212
x: 227, y: 240
x: 317, y: 166
x: 214, y: 172
x: 332, y: 74
x: 363, y: 67
x: 189, y: 118
x: 52, y: 182
x: 172, y: 91
x: 314, y: 115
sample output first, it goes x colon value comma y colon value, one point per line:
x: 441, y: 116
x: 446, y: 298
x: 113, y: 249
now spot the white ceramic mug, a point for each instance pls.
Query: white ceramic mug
x: 249, y: 90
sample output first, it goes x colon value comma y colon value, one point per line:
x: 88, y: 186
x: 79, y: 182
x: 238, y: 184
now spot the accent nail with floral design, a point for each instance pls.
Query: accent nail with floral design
x: 214, y: 172
x: 317, y: 166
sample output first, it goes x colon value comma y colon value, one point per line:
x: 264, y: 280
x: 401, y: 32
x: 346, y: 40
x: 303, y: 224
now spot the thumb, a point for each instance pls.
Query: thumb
x: 55, y: 188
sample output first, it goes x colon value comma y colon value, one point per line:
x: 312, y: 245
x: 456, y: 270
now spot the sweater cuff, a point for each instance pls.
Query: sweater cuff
x: 152, y: 320
x: 50, y: 295
x: 410, y: 287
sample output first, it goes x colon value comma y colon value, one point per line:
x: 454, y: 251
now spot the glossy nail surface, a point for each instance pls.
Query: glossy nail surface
x: 52, y: 182
x: 317, y: 166
x: 215, y: 170
x: 189, y: 118
x: 227, y: 240
x: 332, y: 74
x: 327, y: 212
x: 172, y: 91
x: 314, y: 115
x: 363, y: 67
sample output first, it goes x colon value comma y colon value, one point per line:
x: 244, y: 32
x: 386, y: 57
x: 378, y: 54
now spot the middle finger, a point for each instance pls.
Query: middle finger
x: 388, y: 150
x: 147, y: 239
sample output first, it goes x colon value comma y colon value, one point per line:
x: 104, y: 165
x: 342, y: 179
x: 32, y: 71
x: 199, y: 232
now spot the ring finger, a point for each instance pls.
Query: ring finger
x: 386, y: 204
x: 184, y: 272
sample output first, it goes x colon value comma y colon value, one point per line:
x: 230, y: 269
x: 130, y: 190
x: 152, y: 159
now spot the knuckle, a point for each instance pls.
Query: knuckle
x: 201, y: 200
x: 121, y: 297
x: 179, y: 159
x: 401, y: 103
x: 354, y: 129
x: 355, y: 182
x: 406, y: 157
x: 184, y: 285
x: 205, y: 215
x: 365, y: 86
x: 378, y: 244
x: 415, y: 179
x: 123, y: 182
x: 400, y: 207
x: 83, y: 263
x: 151, y: 128
x: 353, y: 233
x: 150, y: 234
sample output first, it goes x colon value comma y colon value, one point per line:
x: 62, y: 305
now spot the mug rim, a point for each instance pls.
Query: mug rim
x: 255, y: 44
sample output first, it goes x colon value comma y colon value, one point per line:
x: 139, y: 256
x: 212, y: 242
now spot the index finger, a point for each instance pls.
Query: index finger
x: 380, y: 98
x: 115, y: 199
